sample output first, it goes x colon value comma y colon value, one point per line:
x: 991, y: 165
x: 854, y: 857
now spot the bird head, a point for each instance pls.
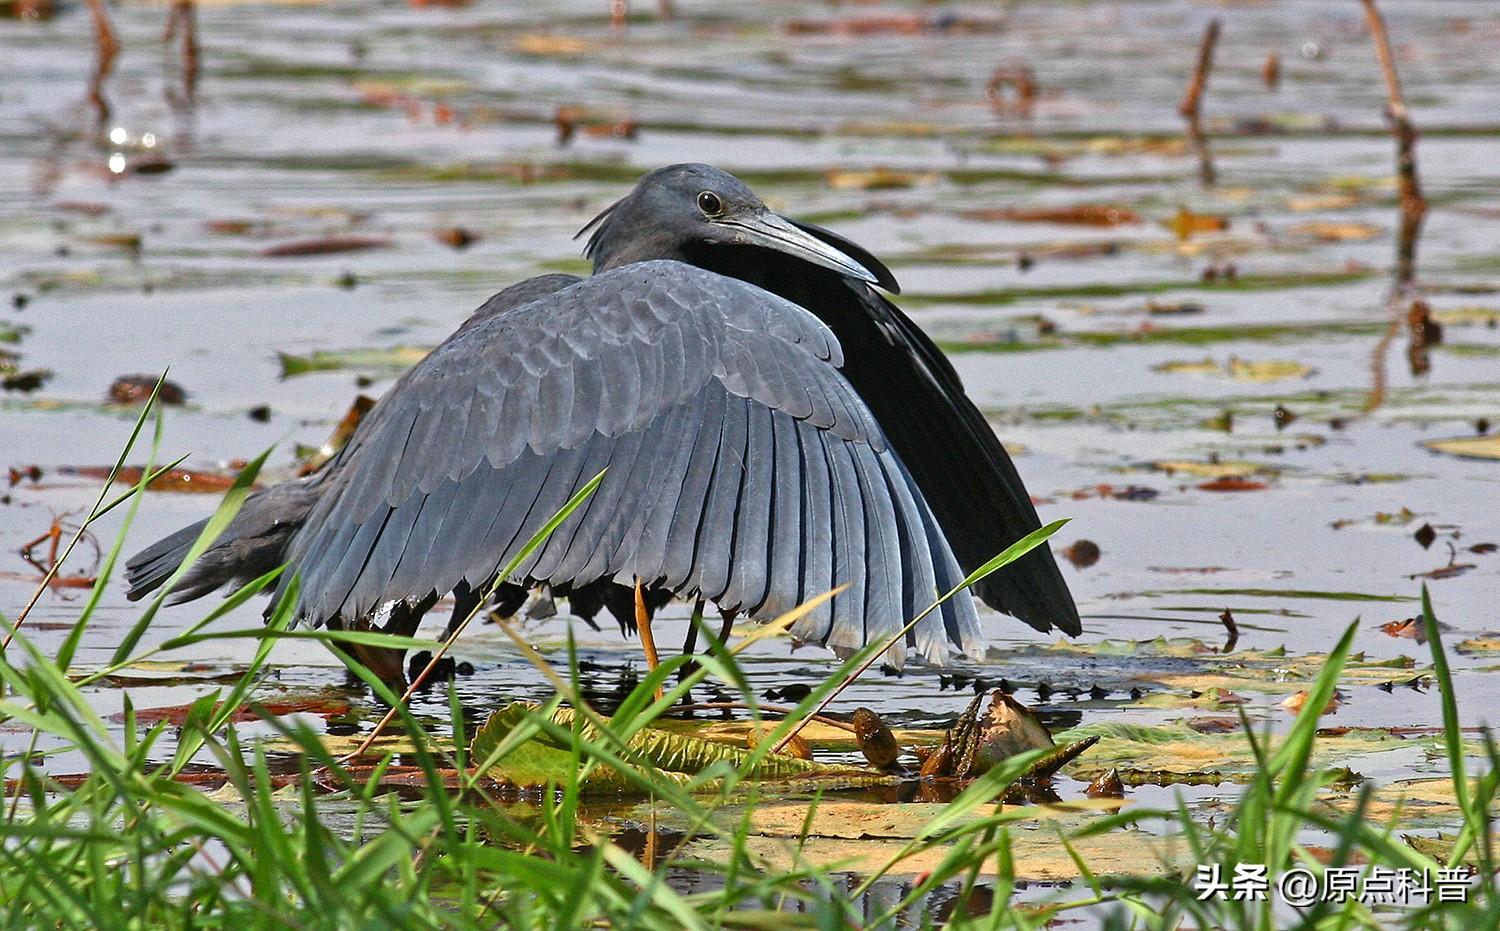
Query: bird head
x: 704, y: 216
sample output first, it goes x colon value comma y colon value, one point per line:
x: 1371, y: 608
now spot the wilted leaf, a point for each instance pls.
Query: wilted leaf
x: 1185, y: 224
x: 984, y: 737
x: 1295, y: 702
x: 180, y: 480
x: 1231, y: 483
x: 274, y: 707
x: 875, y: 739
x: 1312, y: 202
x: 1076, y: 215
x: 1107, y: 785
x: 553, y: 45
x: 1409, y: 629
x: 876, y: 179
x: 1328, y: 231
x: 136, y: 389
x: 327, y: 245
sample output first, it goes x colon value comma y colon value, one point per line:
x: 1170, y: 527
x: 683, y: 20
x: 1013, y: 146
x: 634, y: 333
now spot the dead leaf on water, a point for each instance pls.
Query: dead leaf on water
x: 1075, y: 215
x: 1232, y: 483
x: 876, y: 179
x: 1186, y: 224
x: 197, y: 481
x: 321, y: 706
x: 136, y: 389
x: 1313, y: 202
x: 327, y: 245
x: 1409, y: 629
x: 1329, y: 231
x: 1297, y: 700
x: 553, y: 46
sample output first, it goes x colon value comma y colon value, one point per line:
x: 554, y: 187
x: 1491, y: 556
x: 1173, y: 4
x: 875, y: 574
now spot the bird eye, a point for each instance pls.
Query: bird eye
x: 710, y: 204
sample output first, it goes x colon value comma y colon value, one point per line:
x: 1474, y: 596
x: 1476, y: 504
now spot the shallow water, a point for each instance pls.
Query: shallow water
x: 390, y: 121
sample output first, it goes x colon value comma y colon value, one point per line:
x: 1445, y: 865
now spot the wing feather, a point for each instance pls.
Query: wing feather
x: 740, y: 464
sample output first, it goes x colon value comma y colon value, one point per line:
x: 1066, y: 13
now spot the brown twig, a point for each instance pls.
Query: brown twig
x: 184, y: 14
x: 1413, y: 204
x: 1376, y: 397
x: 107, y: 44
x: 1234, y: 631
x: 1192, y: 103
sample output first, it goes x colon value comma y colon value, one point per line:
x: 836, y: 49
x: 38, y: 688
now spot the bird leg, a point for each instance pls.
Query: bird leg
x: 465, y: 600
x: 643, y: 624
x: 728, y: 627
x: 690, y: 645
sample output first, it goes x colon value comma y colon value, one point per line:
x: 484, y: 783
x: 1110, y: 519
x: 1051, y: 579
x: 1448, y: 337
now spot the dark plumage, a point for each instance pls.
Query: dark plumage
x: 772, y: 427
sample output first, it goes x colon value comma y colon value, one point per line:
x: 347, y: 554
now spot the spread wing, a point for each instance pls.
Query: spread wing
x: 740, y: 466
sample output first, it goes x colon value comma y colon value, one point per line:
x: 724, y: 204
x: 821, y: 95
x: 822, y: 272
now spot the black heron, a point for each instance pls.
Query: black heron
x: 772, y: 427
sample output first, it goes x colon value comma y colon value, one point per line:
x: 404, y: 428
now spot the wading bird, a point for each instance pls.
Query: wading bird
x: 771, y: 428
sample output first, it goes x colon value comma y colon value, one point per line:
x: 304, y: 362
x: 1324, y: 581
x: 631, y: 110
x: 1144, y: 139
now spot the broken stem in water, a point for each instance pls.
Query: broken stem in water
x: 1192, y: 103
x: 1409, y: 187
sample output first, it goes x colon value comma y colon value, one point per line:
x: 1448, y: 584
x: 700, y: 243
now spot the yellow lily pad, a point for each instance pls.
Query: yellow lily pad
x: 1237, y: 369
x: 1223, y: 468
x: 1468, y: 447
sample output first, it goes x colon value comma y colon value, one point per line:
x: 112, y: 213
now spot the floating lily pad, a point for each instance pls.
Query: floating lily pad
x: 1468, y: 447
x: 1238, y: 369
x: 396, y: 359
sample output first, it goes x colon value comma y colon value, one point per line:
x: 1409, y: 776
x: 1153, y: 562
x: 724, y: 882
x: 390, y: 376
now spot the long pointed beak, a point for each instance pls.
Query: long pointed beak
x: 770, y: 231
